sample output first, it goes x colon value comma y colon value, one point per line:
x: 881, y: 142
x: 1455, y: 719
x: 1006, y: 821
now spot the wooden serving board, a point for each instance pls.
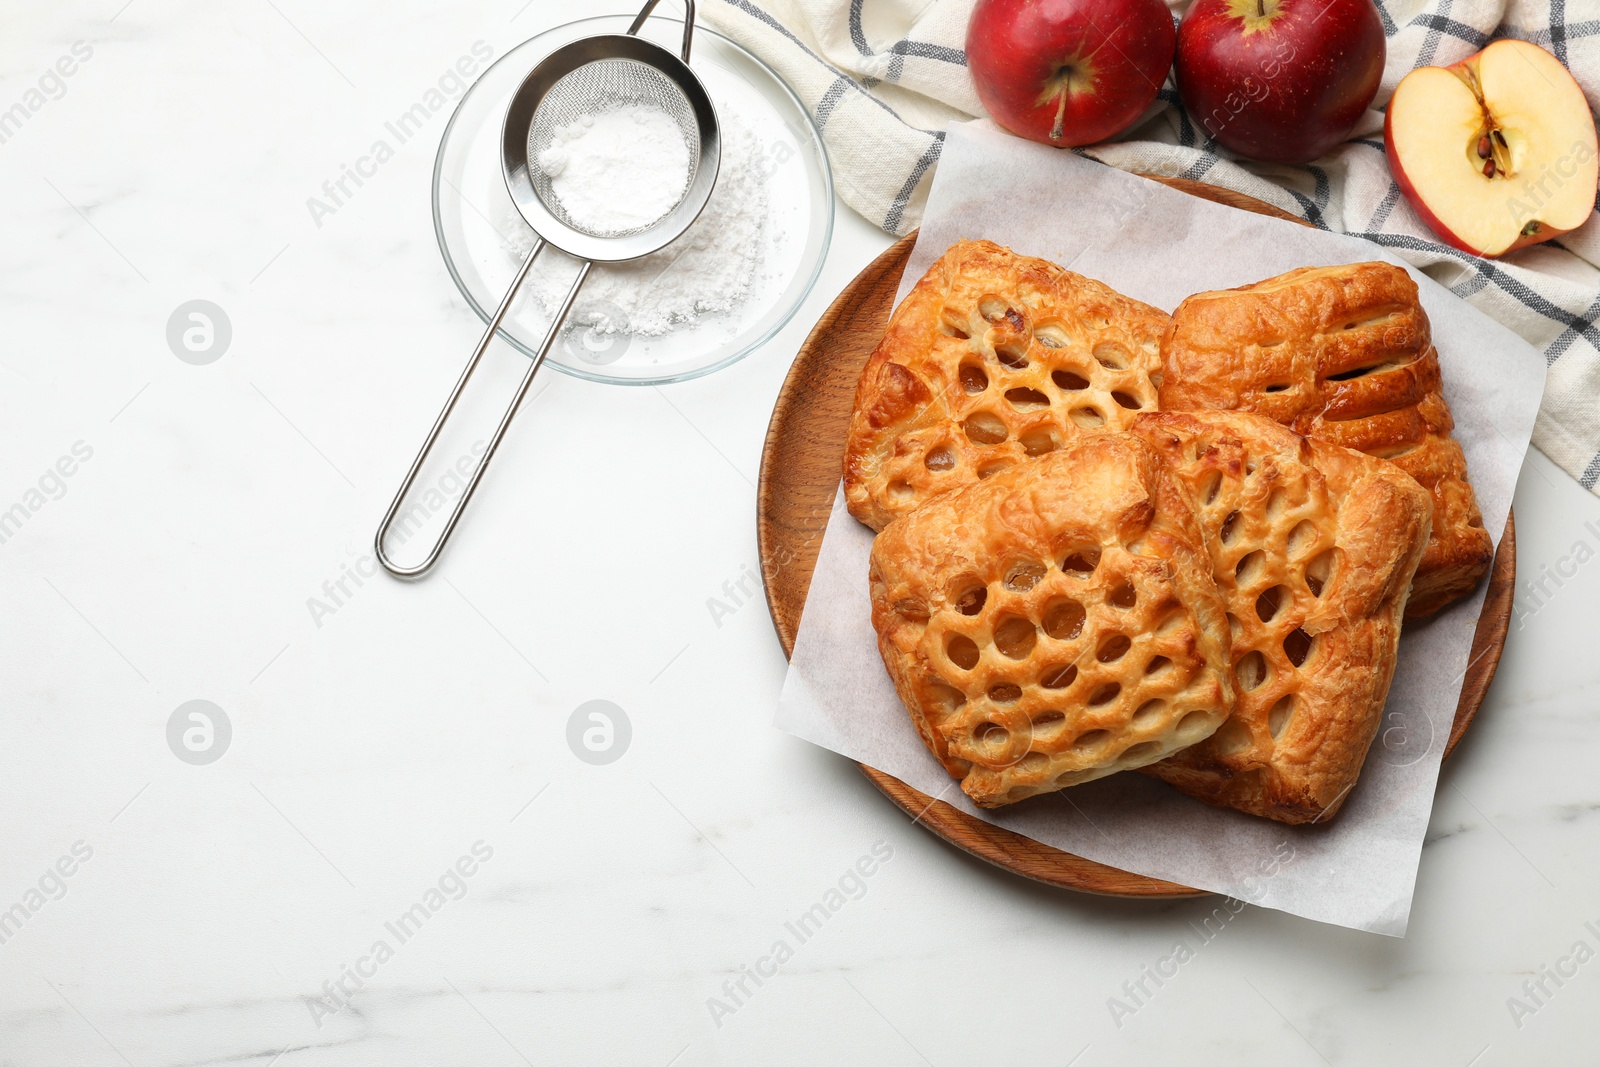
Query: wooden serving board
x: 800, y: 469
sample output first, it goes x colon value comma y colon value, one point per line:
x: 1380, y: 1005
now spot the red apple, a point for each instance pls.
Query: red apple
x: 1284, y: 81
x: 1497, y: 152
x: 1068, y: 72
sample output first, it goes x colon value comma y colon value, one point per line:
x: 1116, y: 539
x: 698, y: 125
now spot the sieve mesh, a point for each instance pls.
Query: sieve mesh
x: 596, y: 88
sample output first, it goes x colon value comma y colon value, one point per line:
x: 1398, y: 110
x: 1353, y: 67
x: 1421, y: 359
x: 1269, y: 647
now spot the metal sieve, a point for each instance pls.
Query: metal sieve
x: 624, y: 82
x: 590, y: 76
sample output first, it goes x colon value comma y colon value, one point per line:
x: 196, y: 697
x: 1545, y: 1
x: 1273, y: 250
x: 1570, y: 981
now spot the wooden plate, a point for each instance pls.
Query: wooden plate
x: 800, y: 468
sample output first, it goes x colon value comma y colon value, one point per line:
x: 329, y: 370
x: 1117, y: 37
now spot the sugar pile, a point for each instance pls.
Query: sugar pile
x: 618, y: 170
x: 707, y: 271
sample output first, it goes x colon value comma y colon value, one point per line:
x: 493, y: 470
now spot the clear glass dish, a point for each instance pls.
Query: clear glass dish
x: 483, y: 238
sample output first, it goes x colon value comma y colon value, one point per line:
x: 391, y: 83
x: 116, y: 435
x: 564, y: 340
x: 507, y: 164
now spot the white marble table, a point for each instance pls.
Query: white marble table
x: 398, y: 772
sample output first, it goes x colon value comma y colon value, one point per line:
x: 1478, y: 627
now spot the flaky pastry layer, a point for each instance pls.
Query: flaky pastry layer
x: 1314, y: 547
x: 1054, y: 623
x: 992, y: 359
x: 1341, y: 354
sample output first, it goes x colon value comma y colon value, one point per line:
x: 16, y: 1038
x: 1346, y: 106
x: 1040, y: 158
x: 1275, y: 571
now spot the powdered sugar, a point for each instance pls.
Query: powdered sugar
x: 618, y: 170
x: 707, y: 271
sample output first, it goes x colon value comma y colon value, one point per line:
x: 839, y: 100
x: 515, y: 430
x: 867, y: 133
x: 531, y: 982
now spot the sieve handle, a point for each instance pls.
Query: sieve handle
x: 418, y: 570
x: 688, y: 23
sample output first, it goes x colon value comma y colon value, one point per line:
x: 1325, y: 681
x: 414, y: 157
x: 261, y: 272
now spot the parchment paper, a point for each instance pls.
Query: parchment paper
x: 1159, y: 245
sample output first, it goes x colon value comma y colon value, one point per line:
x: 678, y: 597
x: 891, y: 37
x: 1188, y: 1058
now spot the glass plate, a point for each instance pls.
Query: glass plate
x: 483, y: 238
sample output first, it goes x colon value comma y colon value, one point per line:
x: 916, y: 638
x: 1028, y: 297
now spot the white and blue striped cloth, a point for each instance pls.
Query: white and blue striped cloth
x: 884, y: 78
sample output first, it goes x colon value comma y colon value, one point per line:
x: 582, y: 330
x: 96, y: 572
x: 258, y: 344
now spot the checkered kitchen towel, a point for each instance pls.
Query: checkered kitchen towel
x: 885, y: 77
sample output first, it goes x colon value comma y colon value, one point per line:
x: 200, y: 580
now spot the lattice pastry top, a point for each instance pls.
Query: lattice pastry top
x: 1314, y: 547
x: 1341, y: 354
x: 1054, y: 623
x: 992, y: 358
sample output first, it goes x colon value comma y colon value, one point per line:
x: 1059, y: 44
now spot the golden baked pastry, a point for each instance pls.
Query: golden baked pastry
x: 1340, y: 354
x: 1314, y: 547
x: 1054, y: 623
x: 992, y: 358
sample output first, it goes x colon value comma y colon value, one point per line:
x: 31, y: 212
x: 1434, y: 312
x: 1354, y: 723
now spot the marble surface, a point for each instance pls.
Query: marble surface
x: 399, y: 858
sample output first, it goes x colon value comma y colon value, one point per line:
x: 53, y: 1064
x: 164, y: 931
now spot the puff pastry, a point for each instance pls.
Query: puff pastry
x: 1340, y: 354
x: 991, y: 359
x: 1313, y: 546
x: 1056, y: 622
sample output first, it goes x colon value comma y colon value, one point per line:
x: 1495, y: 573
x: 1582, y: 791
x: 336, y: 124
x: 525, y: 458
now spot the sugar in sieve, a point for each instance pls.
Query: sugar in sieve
x: 590, y: 76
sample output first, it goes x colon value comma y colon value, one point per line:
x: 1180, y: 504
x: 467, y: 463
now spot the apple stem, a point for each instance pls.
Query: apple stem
x: 1261, y: 9
x: 1061, y: 114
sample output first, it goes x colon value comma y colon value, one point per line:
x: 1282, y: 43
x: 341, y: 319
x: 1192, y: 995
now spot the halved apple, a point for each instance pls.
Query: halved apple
x: 1497, y: 152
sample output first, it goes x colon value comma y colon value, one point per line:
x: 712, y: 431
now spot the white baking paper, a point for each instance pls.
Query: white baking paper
x: 1159, y: 245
